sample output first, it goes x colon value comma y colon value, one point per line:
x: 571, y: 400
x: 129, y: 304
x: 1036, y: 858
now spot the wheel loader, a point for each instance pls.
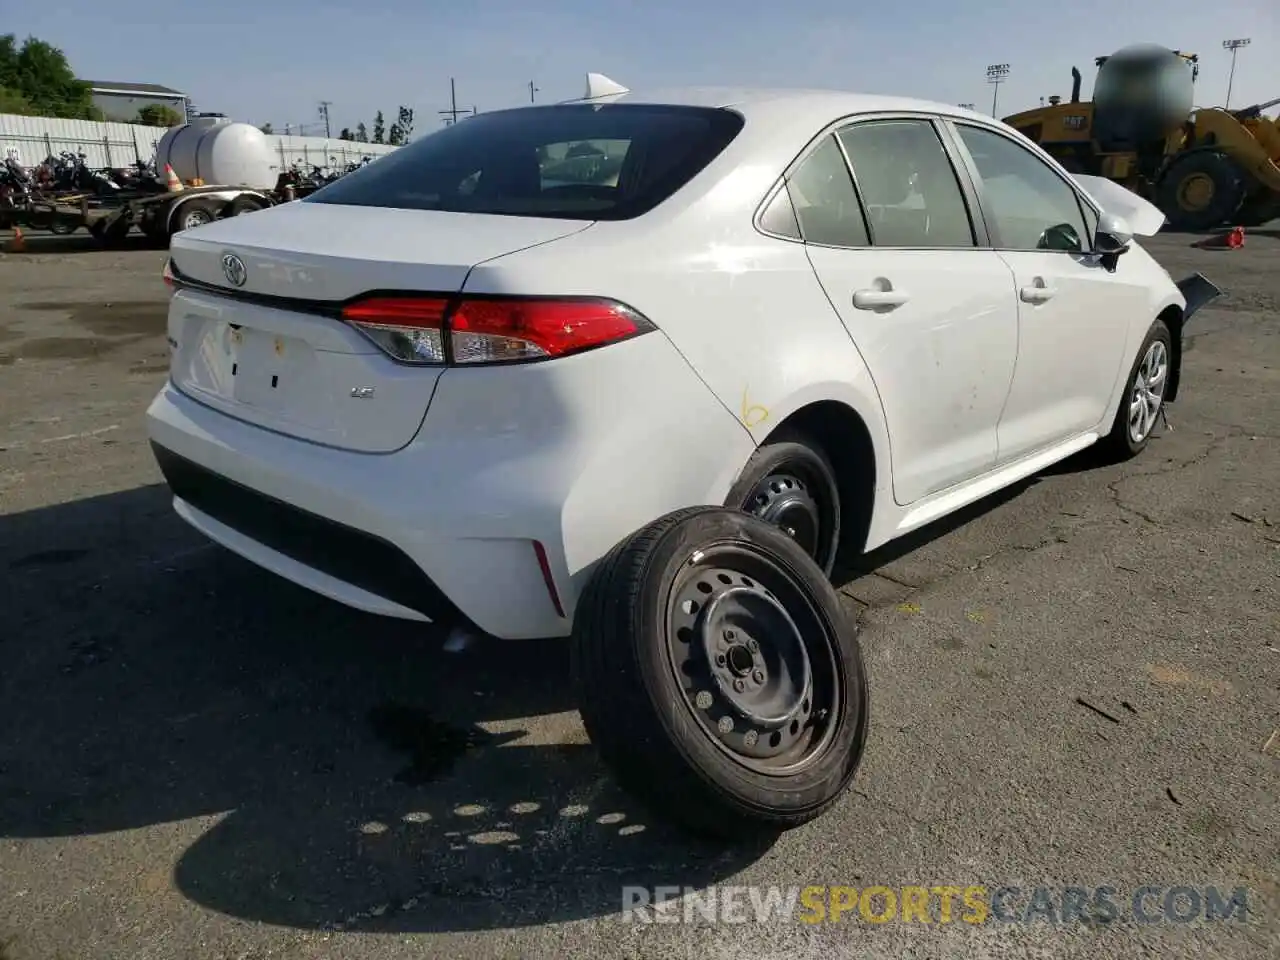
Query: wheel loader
x: 1203, y: 167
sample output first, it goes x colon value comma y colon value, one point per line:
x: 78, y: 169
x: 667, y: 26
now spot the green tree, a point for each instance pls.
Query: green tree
x: 160, y: 115
x: 11, y: 101
x: 38, y: 74
x: 362, y: 133
x: 379, y: 128
x: 267, y: 129
x: 346, y: 134
x: 394, y: 136
x: 405, y: 122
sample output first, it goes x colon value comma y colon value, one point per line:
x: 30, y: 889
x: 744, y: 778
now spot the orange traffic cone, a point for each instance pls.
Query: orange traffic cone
x: 1233, y: 239
x: 171, y: 180
x: 16, y: 244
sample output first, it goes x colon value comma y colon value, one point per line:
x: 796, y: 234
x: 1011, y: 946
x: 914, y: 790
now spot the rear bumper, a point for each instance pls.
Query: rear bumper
x: 446, y: 527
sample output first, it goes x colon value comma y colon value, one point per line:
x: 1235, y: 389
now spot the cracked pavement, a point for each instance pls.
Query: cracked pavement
x: 1075, y: 682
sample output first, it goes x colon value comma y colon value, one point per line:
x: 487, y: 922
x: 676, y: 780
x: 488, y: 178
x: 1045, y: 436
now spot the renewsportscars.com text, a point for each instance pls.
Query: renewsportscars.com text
x: 941, y: 904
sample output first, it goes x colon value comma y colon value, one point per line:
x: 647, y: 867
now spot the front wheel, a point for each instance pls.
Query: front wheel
x: 718, y: 676
x: 1201, y: 190
x: 1143, y: 397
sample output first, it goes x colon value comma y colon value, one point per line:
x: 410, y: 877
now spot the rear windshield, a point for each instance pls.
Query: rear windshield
x: 572, y: 161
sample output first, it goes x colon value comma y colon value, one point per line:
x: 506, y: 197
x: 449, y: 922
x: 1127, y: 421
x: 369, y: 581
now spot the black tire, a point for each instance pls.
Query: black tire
x: 1259, y: 210
x: 244, y: 205
x: 191, y: 210
x: 1211, y: 168
x: 1122, y: 443
x: 790, y: 482
x: 644, y: 679
x: 61, y: 228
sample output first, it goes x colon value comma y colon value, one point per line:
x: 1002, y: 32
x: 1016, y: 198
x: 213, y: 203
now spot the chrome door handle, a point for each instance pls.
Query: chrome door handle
x: 876, y: 299
x: 1037, y: 294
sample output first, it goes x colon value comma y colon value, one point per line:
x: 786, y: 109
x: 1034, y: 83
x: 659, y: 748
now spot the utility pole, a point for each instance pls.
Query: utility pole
x: 997, y: 73
x: 1234, y: 46
x: 324, y: 115
x: 453, y: 111
x: 532, y: 91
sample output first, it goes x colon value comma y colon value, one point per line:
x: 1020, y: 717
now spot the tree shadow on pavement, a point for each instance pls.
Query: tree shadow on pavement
x: 353, y: 773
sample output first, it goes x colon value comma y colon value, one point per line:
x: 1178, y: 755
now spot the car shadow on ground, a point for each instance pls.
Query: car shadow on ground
x: 349, y: 770
x: 352, y: 772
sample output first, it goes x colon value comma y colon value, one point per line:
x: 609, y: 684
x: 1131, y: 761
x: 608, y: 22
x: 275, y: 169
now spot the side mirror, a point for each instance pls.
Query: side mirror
x: 1114, y: 235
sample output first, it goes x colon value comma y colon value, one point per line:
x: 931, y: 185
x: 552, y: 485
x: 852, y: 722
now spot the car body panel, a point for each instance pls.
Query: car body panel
x: 506, y: 457
x: 942, y: 361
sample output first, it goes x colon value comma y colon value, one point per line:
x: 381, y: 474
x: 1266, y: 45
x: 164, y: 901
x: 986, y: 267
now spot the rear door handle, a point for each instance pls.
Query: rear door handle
x: 877, y: 299
x: 1037, y: 294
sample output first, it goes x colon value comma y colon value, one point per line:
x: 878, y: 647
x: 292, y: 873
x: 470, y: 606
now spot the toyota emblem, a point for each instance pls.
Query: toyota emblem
x: 233, y: 269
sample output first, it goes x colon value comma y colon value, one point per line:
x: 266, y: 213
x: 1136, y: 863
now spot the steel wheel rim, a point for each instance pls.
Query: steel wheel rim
x: 754, y: 659
x: 790, y: 499
x: 196, y: 218
x: 1147, y: 393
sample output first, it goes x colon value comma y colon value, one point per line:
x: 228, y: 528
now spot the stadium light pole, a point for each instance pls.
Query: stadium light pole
x: 997, y: 74
x: 1234, y: 46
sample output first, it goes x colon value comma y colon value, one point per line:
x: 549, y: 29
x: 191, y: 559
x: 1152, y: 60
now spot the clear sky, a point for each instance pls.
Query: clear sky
x: 274, y: 60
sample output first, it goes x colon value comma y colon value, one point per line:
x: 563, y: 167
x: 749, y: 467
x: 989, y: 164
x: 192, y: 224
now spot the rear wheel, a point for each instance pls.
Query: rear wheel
x: 243, y: 205
x: 717, y: 675
x: 1201, y: 190
x: 790, y: 483
x: 192, y: 214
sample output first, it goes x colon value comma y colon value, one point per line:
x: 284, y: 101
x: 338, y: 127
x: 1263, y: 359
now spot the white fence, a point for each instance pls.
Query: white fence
x: 121, y: 144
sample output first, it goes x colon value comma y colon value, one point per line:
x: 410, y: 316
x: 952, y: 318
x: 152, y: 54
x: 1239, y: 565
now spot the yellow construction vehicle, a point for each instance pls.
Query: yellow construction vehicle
x: 1203, y: 167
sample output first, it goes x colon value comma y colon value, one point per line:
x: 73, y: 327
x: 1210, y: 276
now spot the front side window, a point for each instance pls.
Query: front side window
x: 908, y: 184
x: 1027, y: 204
x: 571, y: 161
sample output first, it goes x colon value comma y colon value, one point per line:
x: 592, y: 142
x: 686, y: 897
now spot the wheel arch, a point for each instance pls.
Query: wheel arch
x: 858, y: 448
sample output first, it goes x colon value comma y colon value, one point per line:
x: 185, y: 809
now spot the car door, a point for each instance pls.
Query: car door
x: 932, y: 313
x: 1073, y: 312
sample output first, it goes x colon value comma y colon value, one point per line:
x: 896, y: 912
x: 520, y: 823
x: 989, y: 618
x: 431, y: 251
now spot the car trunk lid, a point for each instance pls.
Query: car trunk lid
x: 254, y: 325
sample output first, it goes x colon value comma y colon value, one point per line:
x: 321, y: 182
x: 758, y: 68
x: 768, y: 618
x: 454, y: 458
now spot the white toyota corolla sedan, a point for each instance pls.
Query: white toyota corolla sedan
x: 446, y: 385
x: 634, y: 368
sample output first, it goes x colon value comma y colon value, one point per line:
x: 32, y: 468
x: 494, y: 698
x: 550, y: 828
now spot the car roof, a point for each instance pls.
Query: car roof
x: 817, y: 104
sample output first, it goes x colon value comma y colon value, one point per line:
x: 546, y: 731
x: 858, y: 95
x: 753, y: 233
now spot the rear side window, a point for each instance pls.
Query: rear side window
x: 908, y: 184
x: 824, y: 199
x: 571, y: 161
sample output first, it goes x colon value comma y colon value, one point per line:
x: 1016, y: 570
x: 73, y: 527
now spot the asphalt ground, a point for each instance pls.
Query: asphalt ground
x: 1078, y: 683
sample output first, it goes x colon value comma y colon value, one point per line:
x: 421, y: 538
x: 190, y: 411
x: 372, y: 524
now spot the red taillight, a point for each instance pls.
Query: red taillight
x: 491, y: 329
x: 167, y: 274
